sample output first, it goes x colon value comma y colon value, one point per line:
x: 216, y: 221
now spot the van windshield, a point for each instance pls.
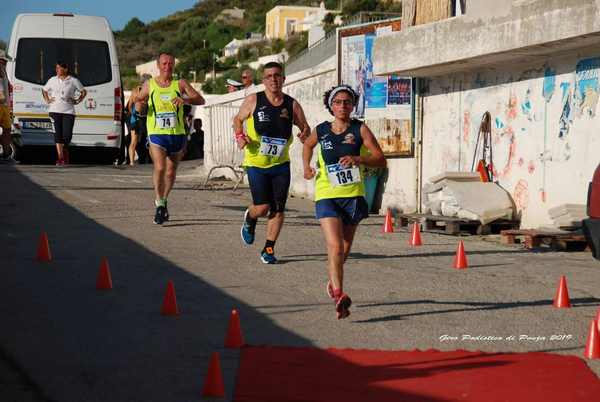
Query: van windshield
x: 88, y: 60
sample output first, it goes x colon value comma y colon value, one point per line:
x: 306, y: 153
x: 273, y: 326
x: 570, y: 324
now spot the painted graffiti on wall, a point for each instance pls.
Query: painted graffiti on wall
x: 544, y: 125
x: 549, y: 83
x: 521, y: 194
x: 566, y: 118
x: 580, y: 99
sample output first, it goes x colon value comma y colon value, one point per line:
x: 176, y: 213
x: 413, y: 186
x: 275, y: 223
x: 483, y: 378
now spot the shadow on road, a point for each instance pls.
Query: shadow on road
x: 79, y: 344
x: 468, y: 307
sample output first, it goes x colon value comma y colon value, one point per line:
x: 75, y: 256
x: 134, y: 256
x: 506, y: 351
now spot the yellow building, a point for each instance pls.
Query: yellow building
x: 282, y: 21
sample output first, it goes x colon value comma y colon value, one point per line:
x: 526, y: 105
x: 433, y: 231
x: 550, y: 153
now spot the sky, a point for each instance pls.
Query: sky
x: 118, y: 12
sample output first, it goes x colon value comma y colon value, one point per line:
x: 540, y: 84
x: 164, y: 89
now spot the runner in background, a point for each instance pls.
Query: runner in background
x: 166, y: 128
x: 137, y: 125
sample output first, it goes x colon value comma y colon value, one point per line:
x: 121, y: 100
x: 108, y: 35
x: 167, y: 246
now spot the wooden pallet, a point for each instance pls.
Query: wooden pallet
x: 532, y: 238
x: 454, y: 226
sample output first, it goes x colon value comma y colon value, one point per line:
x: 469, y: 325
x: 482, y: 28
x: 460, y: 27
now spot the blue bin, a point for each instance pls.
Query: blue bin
x: 370, y: 188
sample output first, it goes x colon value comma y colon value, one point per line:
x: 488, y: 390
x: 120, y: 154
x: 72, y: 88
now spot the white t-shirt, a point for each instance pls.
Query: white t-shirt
x: 64, y: 93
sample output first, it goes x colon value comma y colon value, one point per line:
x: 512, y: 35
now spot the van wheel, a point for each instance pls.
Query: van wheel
x: 111, y: 156
x: 11, y: 152
x: 18, y: 153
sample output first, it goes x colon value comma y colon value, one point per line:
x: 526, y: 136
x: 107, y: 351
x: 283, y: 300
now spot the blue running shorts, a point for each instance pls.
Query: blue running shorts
x: 350, y: 210
x: 270, y: 185
x: 171, y: 144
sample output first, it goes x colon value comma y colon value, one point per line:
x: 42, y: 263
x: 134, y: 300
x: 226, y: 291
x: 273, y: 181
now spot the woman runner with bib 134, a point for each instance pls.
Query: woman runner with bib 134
x: 346, y: 144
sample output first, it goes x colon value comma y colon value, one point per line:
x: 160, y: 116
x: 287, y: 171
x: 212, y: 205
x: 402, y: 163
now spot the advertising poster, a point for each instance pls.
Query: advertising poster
x: 385, y: 102
x: 352, y: 70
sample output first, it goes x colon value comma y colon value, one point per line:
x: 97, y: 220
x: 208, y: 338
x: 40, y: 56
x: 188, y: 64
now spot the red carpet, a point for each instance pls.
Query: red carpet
x: 281, y: 374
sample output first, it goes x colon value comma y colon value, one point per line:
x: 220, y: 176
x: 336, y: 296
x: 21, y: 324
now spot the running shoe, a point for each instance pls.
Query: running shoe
x: 330, y: 290
x: 267, y: 256
x: 166, y: 213
x: 342, y: 305
x: 60, y: 162
x: 247, y: 231
x: 159, y: 216
x: 8, y: 160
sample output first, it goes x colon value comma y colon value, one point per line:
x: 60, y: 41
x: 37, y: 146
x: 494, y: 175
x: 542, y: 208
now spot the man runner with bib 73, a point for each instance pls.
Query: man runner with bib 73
x: 269, y: 116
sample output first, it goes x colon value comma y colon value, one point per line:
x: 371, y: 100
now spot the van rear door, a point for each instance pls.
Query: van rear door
x: 94, y: 60
x: 90, y: 61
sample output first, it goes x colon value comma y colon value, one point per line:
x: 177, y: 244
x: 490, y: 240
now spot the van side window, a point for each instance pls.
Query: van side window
x: 88, y: 59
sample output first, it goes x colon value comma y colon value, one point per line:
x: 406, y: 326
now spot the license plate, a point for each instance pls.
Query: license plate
x: 38, y: 125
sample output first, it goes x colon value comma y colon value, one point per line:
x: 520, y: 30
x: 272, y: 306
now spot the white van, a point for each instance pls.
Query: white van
x: 87, y: 45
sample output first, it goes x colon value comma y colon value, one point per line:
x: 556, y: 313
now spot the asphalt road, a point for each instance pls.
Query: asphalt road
x: 61, y: 340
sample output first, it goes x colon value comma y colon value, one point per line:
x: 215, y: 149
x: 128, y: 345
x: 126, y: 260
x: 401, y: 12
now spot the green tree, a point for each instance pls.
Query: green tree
x: 3, y: 45
x: 332, y: 4
x: 134, y: 27
x: 277, y: 45
x: 198, y: 60
x: 186, y: 31
x: 353, y: 7
x: 296, y: 43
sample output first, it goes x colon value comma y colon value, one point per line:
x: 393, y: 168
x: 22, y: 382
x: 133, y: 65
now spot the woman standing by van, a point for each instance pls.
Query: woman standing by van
x: 59, y: 92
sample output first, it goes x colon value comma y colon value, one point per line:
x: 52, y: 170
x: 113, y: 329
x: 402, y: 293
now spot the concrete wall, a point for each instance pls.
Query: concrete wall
x: 489, y: 35
x: 545, y: 128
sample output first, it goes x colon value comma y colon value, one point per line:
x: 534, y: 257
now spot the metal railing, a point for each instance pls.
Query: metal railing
x: 223, y: 148
x: 325, y: 47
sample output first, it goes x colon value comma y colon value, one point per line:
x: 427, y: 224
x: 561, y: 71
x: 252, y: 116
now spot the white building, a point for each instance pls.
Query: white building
x: 278, y: 58
x: 313, y: 23
x: 229, y: 14
x: 283, y: 21
x: 233, y: 47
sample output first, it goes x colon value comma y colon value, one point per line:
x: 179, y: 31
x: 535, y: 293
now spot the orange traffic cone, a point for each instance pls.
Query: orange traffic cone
x: 388, y: 227
x: 592, y: 347
x: 460, y: 260
x: 598, y: 319
x: 234, y: 338
x: 561, y: 300
x: 213, y: 383
x: 104, y: 279
x: 43, y: 250
x: 415, y: 239
x: 169, y: 306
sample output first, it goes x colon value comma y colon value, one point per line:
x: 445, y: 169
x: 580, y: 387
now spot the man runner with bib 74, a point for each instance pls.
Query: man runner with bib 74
x: 346, y: 144
x: 269, y: 116
x: 166, y: 127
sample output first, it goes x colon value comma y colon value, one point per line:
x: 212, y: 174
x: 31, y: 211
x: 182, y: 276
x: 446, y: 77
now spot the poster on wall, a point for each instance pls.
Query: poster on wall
x: 393, y: 135
x: 375, y: 86
x: 399, y: 96
x: 385, y: 101
x: 353, y: 68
